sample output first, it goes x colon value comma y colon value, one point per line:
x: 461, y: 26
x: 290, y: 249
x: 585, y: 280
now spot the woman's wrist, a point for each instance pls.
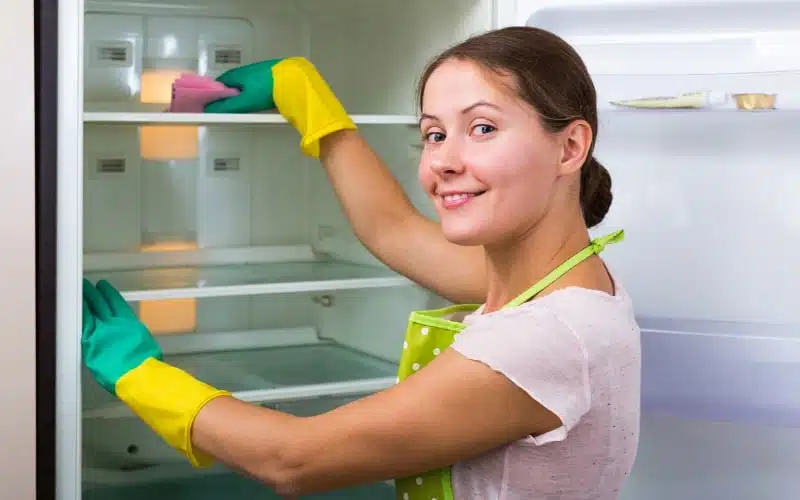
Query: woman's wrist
x: 331, y: 142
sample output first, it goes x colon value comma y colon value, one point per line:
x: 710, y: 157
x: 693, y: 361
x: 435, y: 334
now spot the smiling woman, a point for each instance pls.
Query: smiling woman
x: 531, y: 390
x: 533, y: 103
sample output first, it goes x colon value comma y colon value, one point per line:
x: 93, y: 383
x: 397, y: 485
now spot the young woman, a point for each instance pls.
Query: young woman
x: 535, y: 394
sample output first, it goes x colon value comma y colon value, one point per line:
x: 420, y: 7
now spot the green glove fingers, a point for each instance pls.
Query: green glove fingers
x: 88, y: 321
x: 114, y: 341
x: 255, y: 83
x: 117, y: 305
x: 95, y: 302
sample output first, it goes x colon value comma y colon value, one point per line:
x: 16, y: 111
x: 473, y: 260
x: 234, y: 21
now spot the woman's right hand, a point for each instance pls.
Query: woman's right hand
x: 293, y: 86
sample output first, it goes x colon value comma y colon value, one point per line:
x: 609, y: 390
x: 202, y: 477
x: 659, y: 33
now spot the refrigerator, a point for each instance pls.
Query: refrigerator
x: 232, y: 248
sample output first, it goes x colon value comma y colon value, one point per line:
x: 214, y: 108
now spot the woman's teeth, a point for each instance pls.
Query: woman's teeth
x: 457, y: 197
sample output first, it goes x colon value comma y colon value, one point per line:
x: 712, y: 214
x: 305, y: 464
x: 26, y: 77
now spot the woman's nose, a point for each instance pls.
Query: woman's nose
x: 446, y: 161
x: 443, y: 168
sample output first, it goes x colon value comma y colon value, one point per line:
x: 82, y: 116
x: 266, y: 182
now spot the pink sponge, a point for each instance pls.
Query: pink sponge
x: 190, y: 93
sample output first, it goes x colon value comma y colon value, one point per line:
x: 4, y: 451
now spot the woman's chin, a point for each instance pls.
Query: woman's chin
x: 464, y: 235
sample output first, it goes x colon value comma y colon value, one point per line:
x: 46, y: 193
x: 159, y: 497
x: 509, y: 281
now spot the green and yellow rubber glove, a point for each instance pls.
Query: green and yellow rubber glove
x: 126, y: 360
x: 293, y: 86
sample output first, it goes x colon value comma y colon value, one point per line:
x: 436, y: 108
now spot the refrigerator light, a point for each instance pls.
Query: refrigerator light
x: 157, y: 85
x: 169, y: 142
x: 169, y: 316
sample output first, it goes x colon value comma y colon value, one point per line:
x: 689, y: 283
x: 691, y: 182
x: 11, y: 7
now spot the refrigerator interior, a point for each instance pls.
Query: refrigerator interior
x: 225, y: 239
x: 231, y: 246
x: 708, y: 199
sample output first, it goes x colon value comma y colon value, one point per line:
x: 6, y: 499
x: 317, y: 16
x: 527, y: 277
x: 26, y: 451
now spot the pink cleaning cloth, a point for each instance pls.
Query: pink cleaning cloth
x: 191, y: 93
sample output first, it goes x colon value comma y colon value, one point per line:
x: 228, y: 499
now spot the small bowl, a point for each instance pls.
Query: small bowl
x: 751, y: 102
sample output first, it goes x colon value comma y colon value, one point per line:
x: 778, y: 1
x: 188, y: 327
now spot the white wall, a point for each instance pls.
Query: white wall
x: 17, y: 265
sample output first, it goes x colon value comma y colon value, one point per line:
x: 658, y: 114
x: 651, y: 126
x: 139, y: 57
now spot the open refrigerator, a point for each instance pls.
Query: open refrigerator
x: 232, y: 248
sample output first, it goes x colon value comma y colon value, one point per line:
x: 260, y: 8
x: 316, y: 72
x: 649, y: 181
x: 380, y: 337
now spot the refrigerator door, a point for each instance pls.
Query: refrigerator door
x: 707, y: 196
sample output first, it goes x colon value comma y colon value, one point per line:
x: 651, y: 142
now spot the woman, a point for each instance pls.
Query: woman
x: 538, y: 396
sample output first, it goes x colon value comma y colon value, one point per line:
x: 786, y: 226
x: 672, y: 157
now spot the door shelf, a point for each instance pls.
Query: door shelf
x: 182, y: 282
x: 643, y: 49
x: 227, y: 118
x: 606, y: 108
x: 262, y: 367
x: 722, y: 371
x: 620, y: 87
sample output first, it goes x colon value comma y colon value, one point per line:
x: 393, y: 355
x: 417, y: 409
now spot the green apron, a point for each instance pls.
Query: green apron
x: 431, y: 332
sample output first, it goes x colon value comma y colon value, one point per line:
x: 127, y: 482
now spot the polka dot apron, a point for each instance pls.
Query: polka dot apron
x: 431, y: 332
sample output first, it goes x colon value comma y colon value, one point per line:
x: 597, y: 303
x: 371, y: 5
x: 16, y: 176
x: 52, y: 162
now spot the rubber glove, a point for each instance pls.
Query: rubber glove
x: 293, y: 86
x: 125, y: 359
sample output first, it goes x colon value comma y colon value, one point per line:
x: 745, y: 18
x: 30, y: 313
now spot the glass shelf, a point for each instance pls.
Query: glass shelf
x: 722, y: 371
x: 230, y: 485
x: 268, y: 375
x: 246, y: 279
x: 267, y: 118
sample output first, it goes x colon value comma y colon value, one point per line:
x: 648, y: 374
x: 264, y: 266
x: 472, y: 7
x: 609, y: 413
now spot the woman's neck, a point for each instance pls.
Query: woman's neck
x: 518, y: 265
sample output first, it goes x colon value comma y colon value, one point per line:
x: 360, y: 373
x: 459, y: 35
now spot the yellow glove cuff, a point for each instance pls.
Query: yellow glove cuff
x: 307, y: 102
x: 168, y: 400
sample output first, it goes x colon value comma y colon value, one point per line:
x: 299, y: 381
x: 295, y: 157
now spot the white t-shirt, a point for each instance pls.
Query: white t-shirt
x: 577, y: 352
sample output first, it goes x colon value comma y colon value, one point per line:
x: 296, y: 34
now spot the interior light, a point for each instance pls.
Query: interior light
x: 157, y: 85
x: 169, y: 316
x: 169, y: 142
x: 165, y: 142
x: 169, y: 246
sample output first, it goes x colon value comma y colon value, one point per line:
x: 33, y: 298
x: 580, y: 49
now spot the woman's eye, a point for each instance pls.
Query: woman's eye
x: 484, y: 129
x: 434, y: 137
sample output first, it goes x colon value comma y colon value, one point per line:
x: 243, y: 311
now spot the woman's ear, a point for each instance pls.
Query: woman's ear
x: 576, y: 140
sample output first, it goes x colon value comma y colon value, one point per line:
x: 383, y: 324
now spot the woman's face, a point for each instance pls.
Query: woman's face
x: 487, y: 163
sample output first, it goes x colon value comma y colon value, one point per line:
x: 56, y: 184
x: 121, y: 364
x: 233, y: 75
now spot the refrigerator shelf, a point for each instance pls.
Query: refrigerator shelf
x: 722, y: 86
x: 156, y: 117
x: 722, y: 371
x: 267, y: 375
x: 726, y: 113
x: 181, y: 483
x: 181, y: 282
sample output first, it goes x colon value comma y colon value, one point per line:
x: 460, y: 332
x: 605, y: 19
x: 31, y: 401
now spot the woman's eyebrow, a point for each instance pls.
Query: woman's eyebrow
x: 477, y: 104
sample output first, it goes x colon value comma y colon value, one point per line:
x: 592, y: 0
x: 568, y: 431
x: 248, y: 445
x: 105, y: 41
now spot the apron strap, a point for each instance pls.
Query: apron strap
x: 595, y: 247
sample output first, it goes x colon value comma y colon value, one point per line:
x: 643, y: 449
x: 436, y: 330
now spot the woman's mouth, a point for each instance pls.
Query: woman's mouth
x: 455, y: 200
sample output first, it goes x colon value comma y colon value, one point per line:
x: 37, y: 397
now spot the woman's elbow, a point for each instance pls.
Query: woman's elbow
x: 277, y: 474
x: 289, y: 472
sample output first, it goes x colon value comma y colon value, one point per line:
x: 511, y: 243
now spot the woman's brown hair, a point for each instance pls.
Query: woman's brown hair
x: 551, y: 77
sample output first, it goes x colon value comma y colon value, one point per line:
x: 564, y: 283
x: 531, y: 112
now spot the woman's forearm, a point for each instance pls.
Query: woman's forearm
x: 293, y: 455
x: 258, y: 444
x: 373, y: 200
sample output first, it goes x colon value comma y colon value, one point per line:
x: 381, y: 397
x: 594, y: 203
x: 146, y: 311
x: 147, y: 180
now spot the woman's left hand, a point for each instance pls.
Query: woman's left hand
x: 125, y: 358
x: 114, y: 341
